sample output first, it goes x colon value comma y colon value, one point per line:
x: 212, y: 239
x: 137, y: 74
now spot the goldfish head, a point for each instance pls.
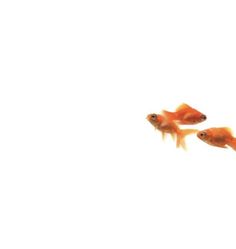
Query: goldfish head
x: 194, y: 118
x: 203, y: 135
x: 202, y: 117
x: 154, y: 119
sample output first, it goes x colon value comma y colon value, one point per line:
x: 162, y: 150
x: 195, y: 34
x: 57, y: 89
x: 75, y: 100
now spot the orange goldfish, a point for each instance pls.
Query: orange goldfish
x: 185, y: 114
x: 164, y: 125
x: 219, y: 137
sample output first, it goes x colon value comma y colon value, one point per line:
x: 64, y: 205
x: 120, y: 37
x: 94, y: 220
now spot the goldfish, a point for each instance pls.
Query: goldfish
x: 219, y: 137
x: 185, y: 115
x: 164, y: 125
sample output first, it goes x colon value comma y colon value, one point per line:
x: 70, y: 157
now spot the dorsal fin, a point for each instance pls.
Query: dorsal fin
x: 228, y: 129
x: 182, y: 107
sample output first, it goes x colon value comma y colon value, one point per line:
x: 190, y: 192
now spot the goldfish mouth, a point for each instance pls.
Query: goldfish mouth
x: 203, y: 117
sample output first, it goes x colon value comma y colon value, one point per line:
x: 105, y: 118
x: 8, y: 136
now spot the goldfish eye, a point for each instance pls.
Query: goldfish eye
x: 202, y: 134
x: 204, y: 117
x: 153, y: 116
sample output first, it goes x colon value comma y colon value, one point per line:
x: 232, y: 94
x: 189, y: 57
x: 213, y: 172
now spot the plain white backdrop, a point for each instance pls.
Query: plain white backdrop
x: 80, y: 166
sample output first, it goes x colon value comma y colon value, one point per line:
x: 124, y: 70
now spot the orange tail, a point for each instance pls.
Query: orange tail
x: 232, y: 143
x: 181, y: 137
x: 169, y: 115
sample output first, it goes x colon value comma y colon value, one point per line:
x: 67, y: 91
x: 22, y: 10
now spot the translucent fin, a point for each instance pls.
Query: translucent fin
x: 181, y: 137
x: 169, y: 115
x: 232, y: 143
x: 163, y: 135
x: 182, y: 107
x: 173, y: 136
x: 228, y: 129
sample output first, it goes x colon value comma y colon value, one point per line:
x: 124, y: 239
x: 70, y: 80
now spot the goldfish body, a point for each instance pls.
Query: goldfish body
x: 164, y: 125
x: 219, y: 137
x: 185, y: 114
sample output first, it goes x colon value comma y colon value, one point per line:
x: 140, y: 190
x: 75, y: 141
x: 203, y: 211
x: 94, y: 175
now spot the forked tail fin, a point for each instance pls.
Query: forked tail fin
x: 169, y: 115
x: 232, y: 143
x: 181, y: 137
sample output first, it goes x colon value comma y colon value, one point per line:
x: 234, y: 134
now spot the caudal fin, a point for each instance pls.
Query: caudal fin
x: 232, y: 143
x: 181, y: 137
x: 169, y: 115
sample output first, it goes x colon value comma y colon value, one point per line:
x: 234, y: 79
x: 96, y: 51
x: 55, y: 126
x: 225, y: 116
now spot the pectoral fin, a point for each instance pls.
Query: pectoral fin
x: 163, y: 135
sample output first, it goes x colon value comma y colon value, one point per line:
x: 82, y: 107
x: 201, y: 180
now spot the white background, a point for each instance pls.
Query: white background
x: 80, y: 166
